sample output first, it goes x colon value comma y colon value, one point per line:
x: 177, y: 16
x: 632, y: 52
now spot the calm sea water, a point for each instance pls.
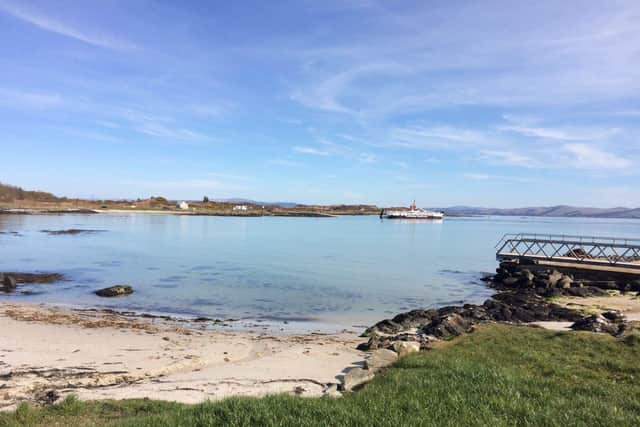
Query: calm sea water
x: 342, y: 271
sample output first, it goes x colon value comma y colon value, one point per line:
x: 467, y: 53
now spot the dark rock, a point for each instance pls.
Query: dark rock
x: 402, y: 322
x: 71, y: 231
x: 510, y: 281
x: 598, y: 323
x: 452, y: 324
x: 35, y: 277
x: 614, y: 316
x: 8, y: 283
x: 585, y: 291
x: 527, y: 274
x: 115, y: 291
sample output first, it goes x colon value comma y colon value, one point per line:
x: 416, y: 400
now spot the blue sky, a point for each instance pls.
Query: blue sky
x: 493, y: 103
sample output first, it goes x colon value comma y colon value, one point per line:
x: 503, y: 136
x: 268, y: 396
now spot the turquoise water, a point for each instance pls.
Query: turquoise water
x: 345, y: 271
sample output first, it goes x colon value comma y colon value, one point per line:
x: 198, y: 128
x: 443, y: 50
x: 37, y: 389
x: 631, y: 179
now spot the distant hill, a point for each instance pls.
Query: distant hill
x: 549, y: 211
x: 10, y: 193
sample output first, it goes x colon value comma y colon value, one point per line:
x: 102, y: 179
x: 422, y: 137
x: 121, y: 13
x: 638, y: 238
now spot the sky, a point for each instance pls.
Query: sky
x: 493, y: 103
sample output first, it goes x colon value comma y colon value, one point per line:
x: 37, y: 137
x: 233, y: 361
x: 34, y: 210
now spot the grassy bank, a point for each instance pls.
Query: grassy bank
x: 499, y: 375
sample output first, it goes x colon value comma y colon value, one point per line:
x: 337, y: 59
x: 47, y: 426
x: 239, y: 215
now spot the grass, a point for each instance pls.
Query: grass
x: 498, y: 376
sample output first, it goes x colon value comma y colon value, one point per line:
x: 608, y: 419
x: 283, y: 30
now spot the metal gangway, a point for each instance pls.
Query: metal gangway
x: 612, y: 254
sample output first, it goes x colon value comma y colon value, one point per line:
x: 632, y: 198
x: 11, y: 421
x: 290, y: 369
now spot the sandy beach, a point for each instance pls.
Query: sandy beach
x: 103, y: 355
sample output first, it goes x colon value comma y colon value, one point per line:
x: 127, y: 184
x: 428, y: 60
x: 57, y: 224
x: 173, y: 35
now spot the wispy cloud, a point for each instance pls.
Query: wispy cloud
x: 592, y: 157
x: 438, y: 137
x: 507, y: 157
x: 50, y: 24
x: 29, y: 99
x: 310, y: 150
x: 172, y: 133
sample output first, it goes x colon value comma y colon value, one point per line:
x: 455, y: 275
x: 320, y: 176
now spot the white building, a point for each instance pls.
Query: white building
x: 183, y: 205
x: 240, y: 208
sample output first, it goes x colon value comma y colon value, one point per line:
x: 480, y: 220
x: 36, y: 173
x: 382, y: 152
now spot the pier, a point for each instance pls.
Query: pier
x: 602, y: 254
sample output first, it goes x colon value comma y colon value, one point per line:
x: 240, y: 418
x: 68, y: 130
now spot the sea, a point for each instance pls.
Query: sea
x: 290, y: 273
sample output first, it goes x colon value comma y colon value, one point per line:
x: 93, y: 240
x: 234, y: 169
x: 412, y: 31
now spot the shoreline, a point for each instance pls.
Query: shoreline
x: 96, y: 211
x: 99, y: 354
x: 103, y: 355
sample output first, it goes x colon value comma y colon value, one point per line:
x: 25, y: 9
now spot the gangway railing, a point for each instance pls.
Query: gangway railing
x: 592, y: 250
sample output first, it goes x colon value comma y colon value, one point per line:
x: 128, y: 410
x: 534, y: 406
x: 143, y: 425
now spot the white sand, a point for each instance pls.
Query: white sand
x: 629, y: 304
x: 98, y: 355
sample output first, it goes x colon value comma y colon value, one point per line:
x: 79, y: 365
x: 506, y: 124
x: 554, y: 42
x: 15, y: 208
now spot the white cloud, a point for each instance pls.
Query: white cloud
x: 423, y: 137
x: 172, y: 133
x: 310, y: 150
x: 591, y: 157
x: 50, y: 24
x: 509, y: 157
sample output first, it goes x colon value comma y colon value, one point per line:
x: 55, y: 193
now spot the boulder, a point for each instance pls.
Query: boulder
x: 448, y: 325
x: 406, y: 347
x: 554, y: 277
x: 8, y: 283
x: 510, y: 281
x: 355, y: 377
x: 402, y: 322
x: 381, y: 358
x: 527, y: 274
x: 614, y: 316
x: 565, y: 282
x: 115, y: 291
x: 597, y: 323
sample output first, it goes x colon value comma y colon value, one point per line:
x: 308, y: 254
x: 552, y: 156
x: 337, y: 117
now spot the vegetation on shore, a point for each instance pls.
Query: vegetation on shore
x: 37, y: 201
x: 11, y: 193
x: 499, y: 375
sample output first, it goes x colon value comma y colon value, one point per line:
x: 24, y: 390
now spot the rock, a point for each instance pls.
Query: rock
x: 35, y: 277
x: 406, y: 347
x: 614, y: 316
x: 381, y: 358
x: 554, y: 277
x: 332, y: 391
x: 47, y: 397
x: 585, y: 291
x: 565, y: 282
x: 8, y: 283
x: 402, y: 322
x: 356, y: 377
x: 510, y: 281
x: 527, y: 274
x: 448, y: 325
x: 115, y: 291
x: 597, y: 323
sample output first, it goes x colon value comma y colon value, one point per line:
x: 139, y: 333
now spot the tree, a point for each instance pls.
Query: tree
x: 205, y: 199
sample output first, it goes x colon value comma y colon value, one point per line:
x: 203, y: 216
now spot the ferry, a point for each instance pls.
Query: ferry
x: 412, y: 213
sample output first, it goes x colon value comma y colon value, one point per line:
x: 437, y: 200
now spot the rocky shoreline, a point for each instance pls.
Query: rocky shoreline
x: 524, y: 295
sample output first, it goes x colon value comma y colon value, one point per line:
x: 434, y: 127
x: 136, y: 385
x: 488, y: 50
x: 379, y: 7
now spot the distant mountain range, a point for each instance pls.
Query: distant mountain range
x: 555, y: 211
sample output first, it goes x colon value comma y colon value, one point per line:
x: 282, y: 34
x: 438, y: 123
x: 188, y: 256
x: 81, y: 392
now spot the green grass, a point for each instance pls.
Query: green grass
x: 497, y: 376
